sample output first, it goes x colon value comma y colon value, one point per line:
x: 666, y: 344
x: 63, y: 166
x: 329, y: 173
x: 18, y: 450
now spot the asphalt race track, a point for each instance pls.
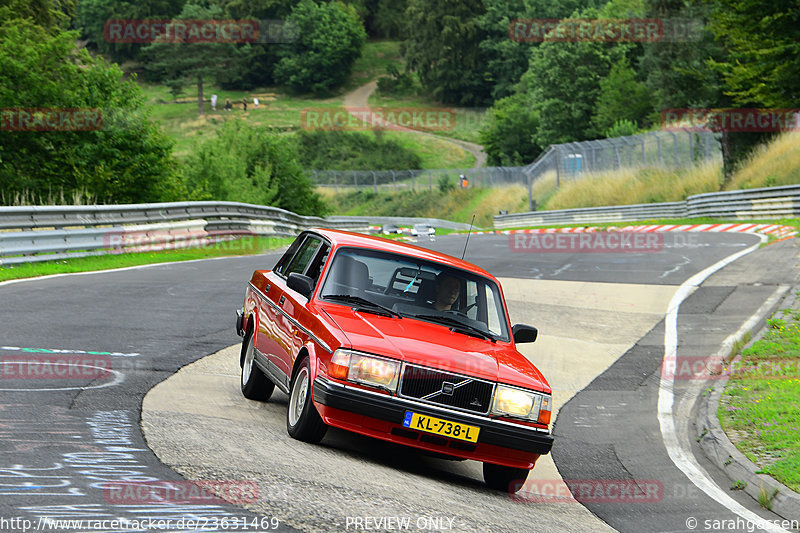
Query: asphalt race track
x: 70, y: 432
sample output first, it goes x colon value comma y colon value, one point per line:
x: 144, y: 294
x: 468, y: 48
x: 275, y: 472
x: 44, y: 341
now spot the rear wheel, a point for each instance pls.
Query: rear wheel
x: 302, y: 419
x: 504, y: 478
x: 255, y: 385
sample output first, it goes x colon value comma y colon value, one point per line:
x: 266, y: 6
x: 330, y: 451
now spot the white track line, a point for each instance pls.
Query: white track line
x: 679, y: 451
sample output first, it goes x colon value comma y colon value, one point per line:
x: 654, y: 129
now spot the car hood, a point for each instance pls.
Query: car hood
x: 433, y: 345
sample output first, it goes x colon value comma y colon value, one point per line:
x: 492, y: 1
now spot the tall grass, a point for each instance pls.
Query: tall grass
x: 26, y: 197
x: 636, y: 186
x: 776, y: 163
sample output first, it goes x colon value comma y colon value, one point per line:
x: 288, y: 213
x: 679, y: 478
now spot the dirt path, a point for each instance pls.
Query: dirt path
x: 359, y: 99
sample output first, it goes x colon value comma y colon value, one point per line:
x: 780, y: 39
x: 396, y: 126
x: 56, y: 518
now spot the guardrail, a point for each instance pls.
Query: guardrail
x: 44, y: 233
x: 766, y: 203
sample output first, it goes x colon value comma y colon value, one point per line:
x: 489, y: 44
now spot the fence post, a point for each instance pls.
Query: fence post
x: 430, y: 181
x: 355, y: 180
x: 374, y: 182
x: 641, y: 138
x: 530, y: 190
x: 394, y: 181
x: 335, y: 182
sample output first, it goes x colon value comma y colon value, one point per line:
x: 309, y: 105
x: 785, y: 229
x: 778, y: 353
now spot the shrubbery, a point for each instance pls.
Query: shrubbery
x: 126, y: 159
x: 245, y: 163
x: 341, y: 150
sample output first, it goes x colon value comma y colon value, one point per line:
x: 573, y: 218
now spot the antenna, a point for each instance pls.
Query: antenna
x: 468, y: 233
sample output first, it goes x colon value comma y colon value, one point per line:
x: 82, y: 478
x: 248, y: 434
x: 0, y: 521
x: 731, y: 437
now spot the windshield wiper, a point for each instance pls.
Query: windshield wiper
x: 457, y: 325
x: 364, y: 304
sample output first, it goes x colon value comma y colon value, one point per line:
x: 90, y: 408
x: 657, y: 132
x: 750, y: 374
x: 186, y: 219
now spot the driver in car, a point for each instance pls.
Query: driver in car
x: 447, y: 289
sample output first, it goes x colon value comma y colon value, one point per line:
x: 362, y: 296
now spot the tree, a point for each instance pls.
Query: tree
x: 762, y: 65
x: 191, y: 61
x: 763, y: 42
x: 254, y: 65
x: 622, y: 98
x: 250, y: 164
x: 52, y: 15
x: 330, y: 37
x: 92, y: 16
x: 676, y: 71
x: 508, y: 133
x: 504, y: 60
x: 564, y: 81
x: 124, y: 159
x: 443, y: 48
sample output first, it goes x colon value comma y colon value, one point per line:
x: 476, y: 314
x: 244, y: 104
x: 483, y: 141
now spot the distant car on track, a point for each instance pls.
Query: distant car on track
x: 399, y: 343
x: 391, y: 229
x: 419, y: 230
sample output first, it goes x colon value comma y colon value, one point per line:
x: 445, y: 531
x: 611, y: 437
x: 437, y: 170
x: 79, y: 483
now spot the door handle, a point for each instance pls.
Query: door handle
x: 267, y: 287
x: 283, y: 299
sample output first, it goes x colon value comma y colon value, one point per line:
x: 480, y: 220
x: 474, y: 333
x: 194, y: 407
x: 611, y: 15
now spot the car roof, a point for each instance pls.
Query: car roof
x: 346, y: 238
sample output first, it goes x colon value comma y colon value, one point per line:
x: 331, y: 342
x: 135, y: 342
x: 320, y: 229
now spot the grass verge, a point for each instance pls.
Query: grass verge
x: 243, y: 246
x: 760, y: 407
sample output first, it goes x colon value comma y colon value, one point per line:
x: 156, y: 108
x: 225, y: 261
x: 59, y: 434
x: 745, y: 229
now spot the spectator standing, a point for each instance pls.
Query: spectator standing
x: 214, y: 102
x: 244, y: 104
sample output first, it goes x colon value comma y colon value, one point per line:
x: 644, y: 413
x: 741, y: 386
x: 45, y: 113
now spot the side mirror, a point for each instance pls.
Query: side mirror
x: 523, y: 333
x: 300, y: 283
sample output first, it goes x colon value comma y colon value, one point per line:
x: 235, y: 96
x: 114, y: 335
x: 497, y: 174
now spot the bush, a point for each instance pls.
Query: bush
x: 508, y: 132
x: 622, y: 128
x: 127, y: 159
x: 342, y: 150
x: 397, y: 83
x: 245, y: 163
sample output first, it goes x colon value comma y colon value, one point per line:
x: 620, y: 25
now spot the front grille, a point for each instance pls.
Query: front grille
x: 443, y: 388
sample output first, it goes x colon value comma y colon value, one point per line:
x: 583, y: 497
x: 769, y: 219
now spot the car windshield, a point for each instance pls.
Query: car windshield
x: 414, y: 288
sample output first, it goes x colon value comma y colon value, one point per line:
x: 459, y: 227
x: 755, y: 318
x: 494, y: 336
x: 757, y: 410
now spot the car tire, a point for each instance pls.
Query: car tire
x: 255, y: 385
x: 302, y: 419
x: 504, y: 478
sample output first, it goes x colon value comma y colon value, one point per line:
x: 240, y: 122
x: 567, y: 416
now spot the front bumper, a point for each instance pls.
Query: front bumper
x: 499, y: 442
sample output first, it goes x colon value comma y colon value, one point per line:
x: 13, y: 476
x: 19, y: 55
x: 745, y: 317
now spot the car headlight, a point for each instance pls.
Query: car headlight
x: 520, y: 403
x: 365, y: 369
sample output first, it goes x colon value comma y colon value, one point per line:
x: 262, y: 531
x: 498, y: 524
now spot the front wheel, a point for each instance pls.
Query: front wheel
x: 504, y: 478
x: 255, y: 385
x: 302, y: 419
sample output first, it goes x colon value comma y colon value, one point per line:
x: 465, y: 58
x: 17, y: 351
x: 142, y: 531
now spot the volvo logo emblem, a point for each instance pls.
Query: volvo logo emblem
x: 448, y: 388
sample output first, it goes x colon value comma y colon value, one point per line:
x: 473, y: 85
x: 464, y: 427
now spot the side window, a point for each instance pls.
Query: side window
x: 315, y: 269
x: 283, y: 263
x: 303, y: 256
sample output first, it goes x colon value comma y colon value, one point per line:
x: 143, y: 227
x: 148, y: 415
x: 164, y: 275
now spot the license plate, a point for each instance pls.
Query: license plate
x: 431, y: 424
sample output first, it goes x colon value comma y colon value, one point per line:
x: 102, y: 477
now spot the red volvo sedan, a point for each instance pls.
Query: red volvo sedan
x: 399, y: 343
